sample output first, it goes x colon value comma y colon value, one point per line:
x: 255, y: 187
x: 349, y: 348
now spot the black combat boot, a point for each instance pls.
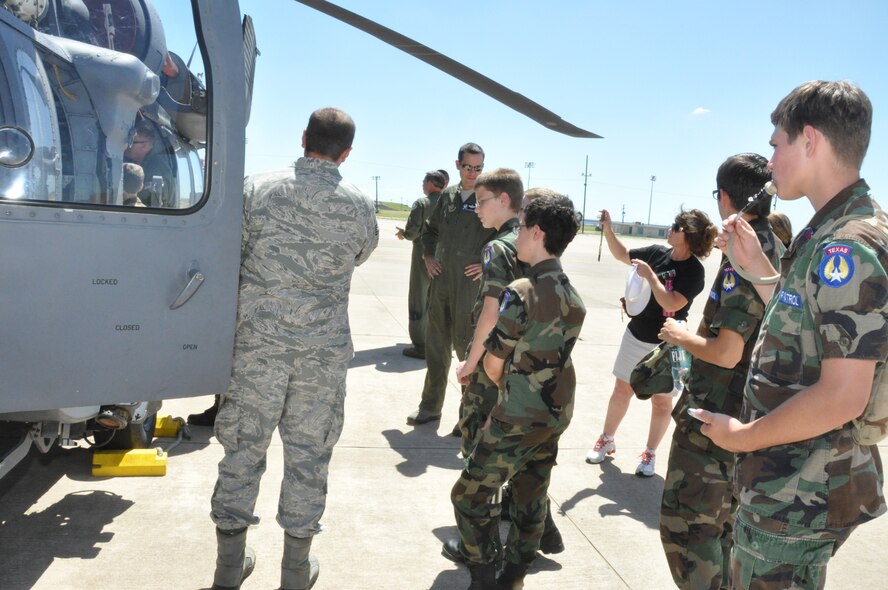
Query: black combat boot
x: 207, y: 417
x: 512, y: 576
x: 234, y: 560
x: 483, y: 576
x: 551, y: 541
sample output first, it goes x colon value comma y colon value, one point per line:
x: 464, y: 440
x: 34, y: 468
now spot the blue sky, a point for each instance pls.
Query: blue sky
x: 673, y: 87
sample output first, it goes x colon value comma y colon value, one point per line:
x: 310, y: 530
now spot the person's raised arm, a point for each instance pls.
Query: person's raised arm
x: 616, y: 247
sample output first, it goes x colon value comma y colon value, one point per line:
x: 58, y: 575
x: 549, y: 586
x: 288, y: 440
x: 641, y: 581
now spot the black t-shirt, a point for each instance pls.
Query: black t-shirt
x: 686, y: 277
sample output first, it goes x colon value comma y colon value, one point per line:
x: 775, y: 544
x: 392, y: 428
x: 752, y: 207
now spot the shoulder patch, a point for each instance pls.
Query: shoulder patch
x: 788, y: 298
x: 504, y: 300
x: 729, y: 280
x: 837, y: 266
x: 486, y: 255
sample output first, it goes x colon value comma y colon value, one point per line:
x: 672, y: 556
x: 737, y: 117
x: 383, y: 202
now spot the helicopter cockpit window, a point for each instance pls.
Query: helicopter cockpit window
x: 104, y: 84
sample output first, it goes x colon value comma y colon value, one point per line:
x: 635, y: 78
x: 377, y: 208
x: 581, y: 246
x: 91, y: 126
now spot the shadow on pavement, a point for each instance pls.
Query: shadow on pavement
x: 421, y: 450
x: 629, y: 495
x: 387, y: 359
x: 77, y: 519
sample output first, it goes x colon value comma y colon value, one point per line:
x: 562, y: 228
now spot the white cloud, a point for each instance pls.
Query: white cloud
x: 699, y: 111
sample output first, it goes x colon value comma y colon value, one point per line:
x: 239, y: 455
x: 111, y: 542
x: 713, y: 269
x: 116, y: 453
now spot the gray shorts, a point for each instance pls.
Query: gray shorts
x: 632, y: 350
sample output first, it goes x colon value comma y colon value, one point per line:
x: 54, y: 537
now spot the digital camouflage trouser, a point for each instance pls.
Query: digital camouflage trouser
x: 525, y: 455
x: 304, y: 400
x: 697, y: 511
x: 772, y: 555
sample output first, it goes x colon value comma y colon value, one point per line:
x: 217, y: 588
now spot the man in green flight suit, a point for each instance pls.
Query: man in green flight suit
x: 452, y: 242
x: 417, y: 295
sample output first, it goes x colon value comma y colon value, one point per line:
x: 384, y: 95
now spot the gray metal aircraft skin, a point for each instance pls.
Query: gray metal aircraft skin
x: 105, y: 303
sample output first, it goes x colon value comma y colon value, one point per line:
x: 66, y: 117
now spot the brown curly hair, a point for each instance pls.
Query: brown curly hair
x: 700, y: 232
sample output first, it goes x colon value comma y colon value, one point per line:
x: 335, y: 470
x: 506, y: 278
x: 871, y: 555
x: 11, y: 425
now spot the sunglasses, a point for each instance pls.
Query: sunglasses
x: 677, y: 227
x: 470, y: 168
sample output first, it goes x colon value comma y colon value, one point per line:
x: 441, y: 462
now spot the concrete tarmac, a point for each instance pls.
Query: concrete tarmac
x: 389, y: 507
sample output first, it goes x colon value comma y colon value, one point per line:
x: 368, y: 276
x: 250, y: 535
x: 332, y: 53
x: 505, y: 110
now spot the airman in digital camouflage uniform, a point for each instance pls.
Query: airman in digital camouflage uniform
x: 452, y: 241
x: 802, y: 480
x: 528, y: 353
x: 305, y: 231
x: 418, y: 291
x: 698, y: 507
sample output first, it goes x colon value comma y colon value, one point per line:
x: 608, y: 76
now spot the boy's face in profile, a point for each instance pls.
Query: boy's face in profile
x: 787, y: 164
x: 488, y: 207
x: 524, y: 243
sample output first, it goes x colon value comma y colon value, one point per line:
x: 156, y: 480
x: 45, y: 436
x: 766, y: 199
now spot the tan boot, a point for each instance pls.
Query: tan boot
x: 234, y: 560
x: 299, y: 568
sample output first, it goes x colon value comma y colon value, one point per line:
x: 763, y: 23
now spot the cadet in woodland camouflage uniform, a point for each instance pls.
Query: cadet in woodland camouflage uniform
x: 452, y: 240
x: 305, y: 231
x: 529, y: 355
x: 418, y: 292
x: 802, y: 480
x: 698, y: 508
x: 498, y: 199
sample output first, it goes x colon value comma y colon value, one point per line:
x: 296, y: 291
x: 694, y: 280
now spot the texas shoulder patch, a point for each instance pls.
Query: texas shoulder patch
x: 729, y: 280
x: 486, y: 255
x: 837, y: 266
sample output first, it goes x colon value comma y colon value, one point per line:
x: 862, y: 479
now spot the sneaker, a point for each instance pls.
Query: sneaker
x: 646, y: 467
x: 605, y: 446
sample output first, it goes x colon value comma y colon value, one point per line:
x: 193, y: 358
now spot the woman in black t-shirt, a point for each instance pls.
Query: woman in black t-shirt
x: 675, y: 276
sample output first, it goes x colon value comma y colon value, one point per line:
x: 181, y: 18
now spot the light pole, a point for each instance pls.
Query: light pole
x: 585, y: 179
x: 651, y: 202
x: 623, y: 216
x: 528, y: 165
x: 376, y: 181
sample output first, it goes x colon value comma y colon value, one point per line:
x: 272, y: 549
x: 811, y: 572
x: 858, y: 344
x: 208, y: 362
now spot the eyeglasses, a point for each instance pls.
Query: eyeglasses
x: 676, y: 227
x: 470, y: 168
x: 140, y: 142
x: 716, y: 193
x: 482, y: 201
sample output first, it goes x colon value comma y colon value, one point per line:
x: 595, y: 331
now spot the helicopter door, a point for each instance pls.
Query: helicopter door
x: 103, y: 301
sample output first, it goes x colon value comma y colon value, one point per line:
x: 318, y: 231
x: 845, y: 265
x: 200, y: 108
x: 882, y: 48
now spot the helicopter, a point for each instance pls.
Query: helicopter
x: 115, y: 299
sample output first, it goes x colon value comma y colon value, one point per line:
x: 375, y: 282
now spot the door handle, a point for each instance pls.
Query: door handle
x: 195, y: 280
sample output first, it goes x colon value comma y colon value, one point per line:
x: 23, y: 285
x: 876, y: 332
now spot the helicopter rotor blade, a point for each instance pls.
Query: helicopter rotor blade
x: 495, y: 90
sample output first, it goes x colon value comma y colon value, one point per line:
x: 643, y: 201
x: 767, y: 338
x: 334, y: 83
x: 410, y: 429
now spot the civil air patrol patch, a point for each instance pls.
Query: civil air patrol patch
x: 504, y: 301
x: 837, y: 266
x: 789, y: 298
x: 729, y: 280
x: 486, y: 255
